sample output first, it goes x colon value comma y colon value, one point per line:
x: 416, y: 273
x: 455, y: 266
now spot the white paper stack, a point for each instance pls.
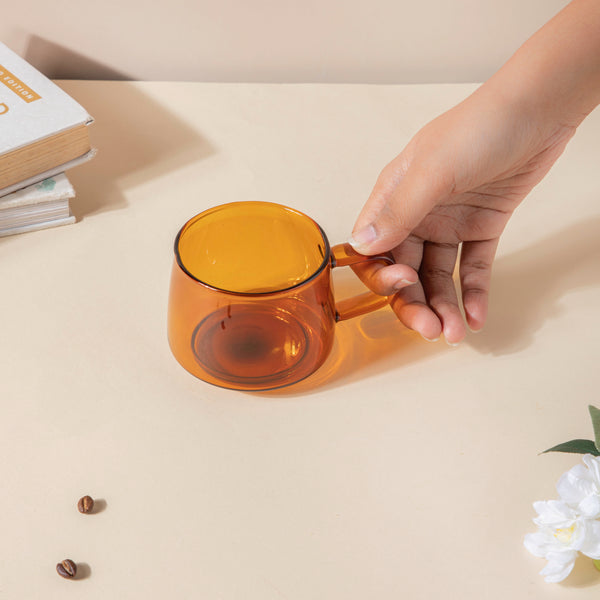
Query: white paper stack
x: 39, y: 206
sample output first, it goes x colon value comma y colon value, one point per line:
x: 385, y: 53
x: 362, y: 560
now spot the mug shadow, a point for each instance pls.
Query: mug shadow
x: 363, y: 346
x: 527, y: 288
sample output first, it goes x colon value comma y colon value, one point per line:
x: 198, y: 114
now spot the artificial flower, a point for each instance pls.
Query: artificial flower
x: 580, y: 487
x: 562, y: 533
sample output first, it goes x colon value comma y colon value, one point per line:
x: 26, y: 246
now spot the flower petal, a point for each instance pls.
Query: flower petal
x: 553, y: 513
x: 590, y: 506
x: 593, y: 464
x: 591, y: 546
x: 578, y: 536
x: 574, y: 485
x: 537, y: 544
x: 559, y: 566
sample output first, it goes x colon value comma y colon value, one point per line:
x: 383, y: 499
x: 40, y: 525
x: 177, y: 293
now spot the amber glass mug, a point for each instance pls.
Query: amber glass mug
x: 251, y: 304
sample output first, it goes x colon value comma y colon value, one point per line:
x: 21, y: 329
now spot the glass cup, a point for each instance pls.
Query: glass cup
x: 251, y: 303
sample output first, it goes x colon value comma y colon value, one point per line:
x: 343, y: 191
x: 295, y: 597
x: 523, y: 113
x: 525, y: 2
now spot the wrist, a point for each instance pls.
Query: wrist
x: 555, y: 75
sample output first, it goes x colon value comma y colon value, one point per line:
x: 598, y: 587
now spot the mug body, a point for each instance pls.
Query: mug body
x: 251, y: 304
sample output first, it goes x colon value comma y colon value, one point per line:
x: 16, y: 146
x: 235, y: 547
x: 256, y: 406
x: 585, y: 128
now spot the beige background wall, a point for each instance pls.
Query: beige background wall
x: 373, y: 41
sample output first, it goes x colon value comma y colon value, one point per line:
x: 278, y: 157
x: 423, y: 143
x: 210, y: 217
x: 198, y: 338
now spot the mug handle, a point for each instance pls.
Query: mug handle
x: 343, y: 255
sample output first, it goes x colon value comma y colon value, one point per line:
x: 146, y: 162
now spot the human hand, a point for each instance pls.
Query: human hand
x: 460, y: 178
x: 454, y: 186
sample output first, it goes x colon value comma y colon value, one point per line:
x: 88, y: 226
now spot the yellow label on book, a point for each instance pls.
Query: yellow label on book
x: 17, y: 86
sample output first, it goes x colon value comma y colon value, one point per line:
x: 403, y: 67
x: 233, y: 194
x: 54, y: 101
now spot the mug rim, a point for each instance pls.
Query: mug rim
x: 197, y: 217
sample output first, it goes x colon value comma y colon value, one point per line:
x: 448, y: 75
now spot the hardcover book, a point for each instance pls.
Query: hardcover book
x: 43, y: 131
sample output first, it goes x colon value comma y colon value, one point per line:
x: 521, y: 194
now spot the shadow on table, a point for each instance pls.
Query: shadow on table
x: 526, y: 291
x: 137, y: 141
x: 528, y: 285
x: 583, y: 575
x: 364, y: 346
x: 84, y: 571
x: 100, y: 505
x: 137, y: 138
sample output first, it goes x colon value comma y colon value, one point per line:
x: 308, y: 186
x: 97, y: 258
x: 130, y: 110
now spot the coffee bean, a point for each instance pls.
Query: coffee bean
x: 67, y: 568
x: 85, y: 504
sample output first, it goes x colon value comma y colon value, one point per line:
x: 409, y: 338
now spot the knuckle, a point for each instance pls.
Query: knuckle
x: 444, y: 306
x: 476, y: 291
x: 479, y: 265
x: 436, y: 272
x: 476, y: 280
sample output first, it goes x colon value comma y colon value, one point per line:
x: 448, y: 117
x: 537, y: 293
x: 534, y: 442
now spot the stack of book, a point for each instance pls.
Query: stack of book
x: 43, y: 133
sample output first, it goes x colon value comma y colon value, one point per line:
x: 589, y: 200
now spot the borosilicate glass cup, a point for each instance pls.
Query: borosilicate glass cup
x: 251, y: 303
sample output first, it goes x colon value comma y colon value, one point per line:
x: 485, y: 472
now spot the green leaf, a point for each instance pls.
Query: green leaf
x: 576, y: 447
x: 595, y: 414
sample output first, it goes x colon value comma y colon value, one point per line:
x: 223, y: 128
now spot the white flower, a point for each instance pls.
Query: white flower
x: 580, y: 487
x: 562, y: 533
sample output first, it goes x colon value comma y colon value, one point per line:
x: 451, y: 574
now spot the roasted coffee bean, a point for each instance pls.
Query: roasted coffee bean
x: 85, y: 504
x: 67, y: 568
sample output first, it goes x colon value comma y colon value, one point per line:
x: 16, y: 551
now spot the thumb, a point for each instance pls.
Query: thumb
x: 397, y: 204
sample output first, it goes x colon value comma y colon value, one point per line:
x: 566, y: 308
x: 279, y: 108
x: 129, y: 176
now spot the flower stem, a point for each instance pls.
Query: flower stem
x: 596, y: 564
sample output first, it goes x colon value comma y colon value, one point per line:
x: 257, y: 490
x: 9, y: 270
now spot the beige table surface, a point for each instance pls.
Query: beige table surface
x: 403, y: 469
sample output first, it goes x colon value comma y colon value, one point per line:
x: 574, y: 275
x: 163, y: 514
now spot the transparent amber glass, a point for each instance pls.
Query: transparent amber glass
x: 251, y: 304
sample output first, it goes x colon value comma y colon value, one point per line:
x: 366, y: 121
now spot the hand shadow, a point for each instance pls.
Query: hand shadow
x: 526, y: 289
x: 528, y: 285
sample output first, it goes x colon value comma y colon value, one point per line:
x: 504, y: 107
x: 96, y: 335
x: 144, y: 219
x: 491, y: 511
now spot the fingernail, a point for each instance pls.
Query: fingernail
x: 402, y: 284
x: 453, y: 344
x: 363, y: 236
x: 430, y: 339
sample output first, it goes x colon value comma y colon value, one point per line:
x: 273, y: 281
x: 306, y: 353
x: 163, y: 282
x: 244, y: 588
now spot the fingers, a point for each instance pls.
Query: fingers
x: 401, y: 281
x: 436, y: 272
x: 384, y: 279
x: 475, y: 276
x: 398, y: 203
x: 435, y: 294
x: 430, y: 305
x: 411, y: 304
